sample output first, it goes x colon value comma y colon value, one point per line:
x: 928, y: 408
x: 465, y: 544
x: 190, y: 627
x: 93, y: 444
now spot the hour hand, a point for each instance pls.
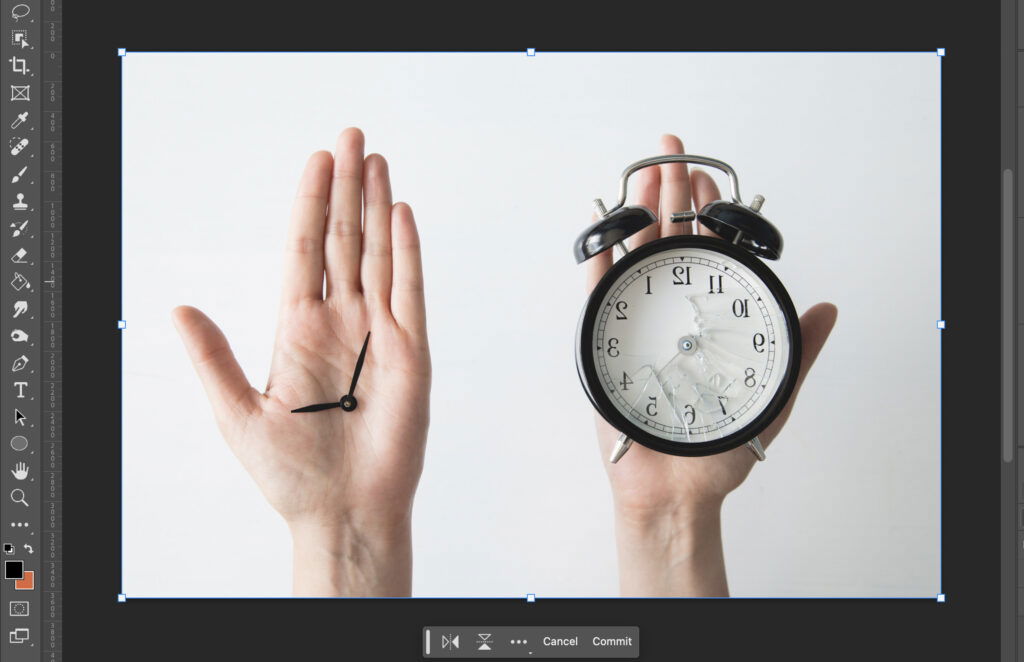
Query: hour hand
x: 319, y: 407
x: 347, y: 403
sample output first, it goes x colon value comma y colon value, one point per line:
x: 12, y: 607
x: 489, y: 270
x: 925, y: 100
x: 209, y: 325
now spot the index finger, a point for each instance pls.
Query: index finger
x: 304, y: 255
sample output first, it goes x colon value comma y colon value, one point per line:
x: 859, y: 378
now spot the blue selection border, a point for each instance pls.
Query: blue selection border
x: 530, y: 597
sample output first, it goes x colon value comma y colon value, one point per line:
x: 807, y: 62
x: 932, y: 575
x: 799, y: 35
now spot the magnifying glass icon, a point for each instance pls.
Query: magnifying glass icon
x: 19, y: 11
x: 18, y: 496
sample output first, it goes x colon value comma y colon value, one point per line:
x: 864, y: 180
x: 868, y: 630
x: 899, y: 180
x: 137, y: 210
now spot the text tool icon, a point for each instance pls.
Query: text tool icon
x: 21, y: 390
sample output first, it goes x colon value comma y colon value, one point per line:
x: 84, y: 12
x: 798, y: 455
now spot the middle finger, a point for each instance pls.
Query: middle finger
x: 675, y: 188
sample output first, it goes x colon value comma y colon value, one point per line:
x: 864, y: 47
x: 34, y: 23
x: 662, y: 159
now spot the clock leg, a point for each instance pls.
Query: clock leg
x: 622, y: 445
x: 756, y: 448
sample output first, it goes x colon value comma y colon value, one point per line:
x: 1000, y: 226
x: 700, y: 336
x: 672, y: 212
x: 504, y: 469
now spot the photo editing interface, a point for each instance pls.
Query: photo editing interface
x: 31, y: 355
x: 260, y: 476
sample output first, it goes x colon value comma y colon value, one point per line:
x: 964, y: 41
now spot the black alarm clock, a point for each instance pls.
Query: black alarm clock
x: 689, y: 344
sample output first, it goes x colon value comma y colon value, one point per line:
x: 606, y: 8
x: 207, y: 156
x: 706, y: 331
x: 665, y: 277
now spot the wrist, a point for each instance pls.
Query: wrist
x: 673, y: 550
x: 346, y: 558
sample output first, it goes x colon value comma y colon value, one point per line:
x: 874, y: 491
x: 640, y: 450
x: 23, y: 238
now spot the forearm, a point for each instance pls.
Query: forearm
x: 676, y: 553
x: 340, y: 561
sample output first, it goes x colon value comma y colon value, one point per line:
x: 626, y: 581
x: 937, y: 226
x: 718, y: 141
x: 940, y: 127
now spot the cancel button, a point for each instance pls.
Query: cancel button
x: 562, y: 641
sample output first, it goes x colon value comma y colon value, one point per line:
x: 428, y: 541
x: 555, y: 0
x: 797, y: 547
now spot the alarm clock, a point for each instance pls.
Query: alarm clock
x: 689, y: 344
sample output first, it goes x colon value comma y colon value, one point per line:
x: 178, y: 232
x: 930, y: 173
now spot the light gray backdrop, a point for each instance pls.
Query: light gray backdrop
x: 500, y: 156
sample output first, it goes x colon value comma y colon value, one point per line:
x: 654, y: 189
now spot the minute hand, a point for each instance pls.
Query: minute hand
x: 359, y: 365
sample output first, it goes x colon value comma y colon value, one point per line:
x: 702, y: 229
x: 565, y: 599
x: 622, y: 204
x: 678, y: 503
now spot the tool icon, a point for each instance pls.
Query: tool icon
x: 20, y: 471
x: 450, y: 642
x: 19, y: 363
x: 18, y: 65
x: 19, y: 256
x: 19, y: 282
x: 19, y: 120
x: 19, y: 418
x: 20, y: 205
x: 18, y: 635
x: 20, y: 307
x: 19, y: 38
x: 17, y: 144
x: 18, y: 228
x: 18, y: 496
x: 21, y: 396
x: 14, y: 180
x: 19, y: 11
x: 20, y: 93
x: 17, y: 335
x: 484, y: 640
x: 18, y: 608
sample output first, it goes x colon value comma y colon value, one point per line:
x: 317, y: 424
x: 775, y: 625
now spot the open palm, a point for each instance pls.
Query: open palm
x: 331, y: 467
x: 646, y: 482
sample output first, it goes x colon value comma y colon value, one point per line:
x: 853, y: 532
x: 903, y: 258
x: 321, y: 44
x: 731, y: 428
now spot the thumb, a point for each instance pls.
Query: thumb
x: 815, y: 326
x: 226, y: 386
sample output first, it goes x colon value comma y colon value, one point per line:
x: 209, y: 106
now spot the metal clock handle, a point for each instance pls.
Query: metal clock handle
x: 734, y: 184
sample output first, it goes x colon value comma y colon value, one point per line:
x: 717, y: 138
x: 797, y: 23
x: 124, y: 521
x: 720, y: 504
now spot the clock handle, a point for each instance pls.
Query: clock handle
x: 734, y: 183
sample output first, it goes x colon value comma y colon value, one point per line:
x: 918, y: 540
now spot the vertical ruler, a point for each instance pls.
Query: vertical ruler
x: 50, y: 130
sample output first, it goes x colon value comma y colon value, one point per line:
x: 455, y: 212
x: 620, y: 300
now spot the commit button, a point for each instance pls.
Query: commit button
x: 533, y: 642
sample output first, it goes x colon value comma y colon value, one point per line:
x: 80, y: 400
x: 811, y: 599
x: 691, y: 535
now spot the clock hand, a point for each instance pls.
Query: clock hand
x: 348, y: 401
x: 319, y: 407
x: 359, y: 365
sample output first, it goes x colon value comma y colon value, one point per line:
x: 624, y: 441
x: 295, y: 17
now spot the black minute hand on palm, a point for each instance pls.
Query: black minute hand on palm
x: 347, y: 402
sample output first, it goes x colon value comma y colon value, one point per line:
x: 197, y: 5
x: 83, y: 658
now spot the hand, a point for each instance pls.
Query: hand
x: 20, y: 471
x: 666, y: 506
x: 343, y: 480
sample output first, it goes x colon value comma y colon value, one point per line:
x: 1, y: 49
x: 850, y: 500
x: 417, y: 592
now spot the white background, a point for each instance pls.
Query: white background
x: 500, y: 156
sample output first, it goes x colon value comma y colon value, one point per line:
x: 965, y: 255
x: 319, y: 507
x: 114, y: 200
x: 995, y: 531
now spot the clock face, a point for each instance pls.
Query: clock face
x: 691, y: 345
